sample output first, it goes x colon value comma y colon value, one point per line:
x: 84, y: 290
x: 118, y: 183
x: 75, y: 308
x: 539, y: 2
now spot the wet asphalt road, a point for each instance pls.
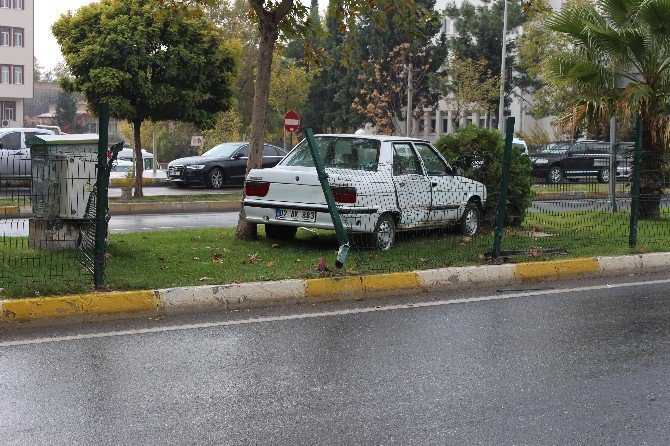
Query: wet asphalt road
x: 562, y: 367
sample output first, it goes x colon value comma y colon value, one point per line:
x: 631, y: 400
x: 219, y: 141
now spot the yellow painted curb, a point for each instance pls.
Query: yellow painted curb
x: 24, y: 310
x: 9, y: 210
x: 541, y: 270
x: 361, y: 284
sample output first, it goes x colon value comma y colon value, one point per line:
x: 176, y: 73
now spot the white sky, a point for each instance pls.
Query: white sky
x: 48, y: 11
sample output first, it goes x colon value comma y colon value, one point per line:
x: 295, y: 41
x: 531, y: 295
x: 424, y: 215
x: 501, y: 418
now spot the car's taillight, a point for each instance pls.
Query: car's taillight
x: 344, y: 194
x: 256, y: 188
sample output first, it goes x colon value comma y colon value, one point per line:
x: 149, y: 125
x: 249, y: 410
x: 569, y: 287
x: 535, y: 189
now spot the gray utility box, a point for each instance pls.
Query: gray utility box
x: 64, y: 173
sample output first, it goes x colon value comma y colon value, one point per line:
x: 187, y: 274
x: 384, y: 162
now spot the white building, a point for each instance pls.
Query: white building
x: 16, y: 59
x: 441, y: 120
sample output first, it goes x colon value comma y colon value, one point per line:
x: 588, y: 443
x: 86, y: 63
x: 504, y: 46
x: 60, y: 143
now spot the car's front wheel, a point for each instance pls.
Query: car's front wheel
x: 280, y: 232
x: 215, y: 179
x: 384, y: 236
x: 471, y: 219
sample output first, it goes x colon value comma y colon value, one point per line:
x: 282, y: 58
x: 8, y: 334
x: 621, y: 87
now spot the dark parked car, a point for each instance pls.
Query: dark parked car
x: 563, y: 160
x: 225, y: 163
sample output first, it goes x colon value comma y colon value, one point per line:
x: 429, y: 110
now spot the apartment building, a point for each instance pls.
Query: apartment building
x: 16, y: 59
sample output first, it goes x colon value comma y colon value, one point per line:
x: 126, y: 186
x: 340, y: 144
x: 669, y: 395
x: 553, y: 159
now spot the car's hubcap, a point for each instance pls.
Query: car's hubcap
x: 217, y: 178
x: 471, y: 222
x: 555, y: 175
x: 605, y: 176
x: 384, y: 235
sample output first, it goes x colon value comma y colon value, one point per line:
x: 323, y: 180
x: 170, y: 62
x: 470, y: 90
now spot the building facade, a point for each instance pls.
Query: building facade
x: 16, y: 59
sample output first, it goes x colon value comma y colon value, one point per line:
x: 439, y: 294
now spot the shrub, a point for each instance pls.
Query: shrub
x: 479, y: 152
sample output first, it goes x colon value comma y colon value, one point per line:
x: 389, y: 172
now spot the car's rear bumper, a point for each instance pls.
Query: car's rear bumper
x: 354, y: 219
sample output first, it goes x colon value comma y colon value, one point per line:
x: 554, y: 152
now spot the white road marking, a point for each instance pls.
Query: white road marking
x: 299, y: 316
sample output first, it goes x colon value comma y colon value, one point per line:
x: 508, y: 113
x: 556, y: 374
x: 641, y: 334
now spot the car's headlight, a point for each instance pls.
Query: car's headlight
x: 541, y: 161
x: 196, y: 166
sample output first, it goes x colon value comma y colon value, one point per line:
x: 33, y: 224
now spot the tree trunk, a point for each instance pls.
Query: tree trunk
x: 269, y: 35
x: 651, y: 175
x: 139, y: 162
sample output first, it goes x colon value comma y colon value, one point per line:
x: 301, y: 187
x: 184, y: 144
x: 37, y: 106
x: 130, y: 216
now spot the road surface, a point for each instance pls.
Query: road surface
x: 572, y: 364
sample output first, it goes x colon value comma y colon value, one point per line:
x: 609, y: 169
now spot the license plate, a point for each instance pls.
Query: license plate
x: 295, y: 215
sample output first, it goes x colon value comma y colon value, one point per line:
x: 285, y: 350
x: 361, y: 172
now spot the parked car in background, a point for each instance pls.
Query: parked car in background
x: 563, y: 160
x: 128, y: 154
x: 381, y: 184
x: 222, y: 164
x: 521, y: 144
x: 14, y: 154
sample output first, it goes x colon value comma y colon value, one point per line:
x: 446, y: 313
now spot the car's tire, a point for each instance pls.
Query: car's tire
x: 471, y: 219
x: 555, y: 175
x: 384, y: 235
x: 604, y: 176
x: 280, y: 232
x: 216, y: 178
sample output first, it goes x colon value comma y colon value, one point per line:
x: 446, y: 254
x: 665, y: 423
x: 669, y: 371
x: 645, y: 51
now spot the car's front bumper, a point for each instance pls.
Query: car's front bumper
x: 188, y: 176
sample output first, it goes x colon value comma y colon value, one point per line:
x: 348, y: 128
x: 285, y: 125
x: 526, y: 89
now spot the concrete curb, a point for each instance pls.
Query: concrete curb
x: 173, y: 207
x: 184, y: 300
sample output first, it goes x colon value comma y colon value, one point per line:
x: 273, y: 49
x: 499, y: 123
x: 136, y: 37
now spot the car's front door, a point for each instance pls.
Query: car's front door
x: 238, y: 165
x: 411, y: 185
x: 446, y: 188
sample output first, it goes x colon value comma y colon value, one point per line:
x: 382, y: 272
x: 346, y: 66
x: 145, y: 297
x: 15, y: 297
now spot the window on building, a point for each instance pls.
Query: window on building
x: 7, y: 110
x: 4, y: 36
x: 18, y: 75
x: 5, y: 3
x: 18, y: 37
x: 4, y: 74
x: 18, y: 4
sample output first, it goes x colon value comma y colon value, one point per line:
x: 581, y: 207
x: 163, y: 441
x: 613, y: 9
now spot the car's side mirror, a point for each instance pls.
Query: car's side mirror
x: 238, y: 156
x: 458, y: 171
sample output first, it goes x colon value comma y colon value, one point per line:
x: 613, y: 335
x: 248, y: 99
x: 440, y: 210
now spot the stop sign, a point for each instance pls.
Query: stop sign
x: 291, y: 121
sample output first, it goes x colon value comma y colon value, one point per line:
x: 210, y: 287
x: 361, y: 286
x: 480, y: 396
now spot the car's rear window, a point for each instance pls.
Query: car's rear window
x: 337, y: 152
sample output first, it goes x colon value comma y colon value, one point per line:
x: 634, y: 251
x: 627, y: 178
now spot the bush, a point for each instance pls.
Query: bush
x: 479, y: 152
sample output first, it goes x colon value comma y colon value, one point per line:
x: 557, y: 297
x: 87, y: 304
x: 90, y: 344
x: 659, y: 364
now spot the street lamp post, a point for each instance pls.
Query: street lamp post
x: 501, y: 105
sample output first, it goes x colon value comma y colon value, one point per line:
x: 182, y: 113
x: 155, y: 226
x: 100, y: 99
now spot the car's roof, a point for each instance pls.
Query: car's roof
x: 374, y: 137
x: 24, y: 129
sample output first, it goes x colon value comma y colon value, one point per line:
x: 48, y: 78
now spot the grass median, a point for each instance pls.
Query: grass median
x: 214, y: 256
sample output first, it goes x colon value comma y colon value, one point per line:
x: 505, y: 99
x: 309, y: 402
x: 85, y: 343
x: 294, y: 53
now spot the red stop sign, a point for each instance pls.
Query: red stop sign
x: 291, y: 121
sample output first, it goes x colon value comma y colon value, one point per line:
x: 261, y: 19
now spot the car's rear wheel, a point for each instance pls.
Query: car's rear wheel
x: 471, y: 219
x: 215, y: 179
x: 384, y: 235
x: 555, y: 175
x: 604, y: 176
x: 280, y: 232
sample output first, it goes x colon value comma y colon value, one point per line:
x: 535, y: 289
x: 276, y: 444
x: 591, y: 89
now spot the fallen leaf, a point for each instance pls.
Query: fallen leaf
x: 275, y: 245
x: 196, y: 258
x: 202, y: 279
x: 270, y: 264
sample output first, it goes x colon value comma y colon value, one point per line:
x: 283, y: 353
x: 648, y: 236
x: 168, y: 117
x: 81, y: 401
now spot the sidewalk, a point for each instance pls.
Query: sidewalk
x: 227, y: 297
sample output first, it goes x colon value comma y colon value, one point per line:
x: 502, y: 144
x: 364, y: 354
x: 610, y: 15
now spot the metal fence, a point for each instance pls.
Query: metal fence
x: 49, y: 204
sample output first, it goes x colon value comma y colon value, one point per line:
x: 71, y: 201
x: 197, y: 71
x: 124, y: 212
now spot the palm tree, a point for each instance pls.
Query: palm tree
x: 625, y: 42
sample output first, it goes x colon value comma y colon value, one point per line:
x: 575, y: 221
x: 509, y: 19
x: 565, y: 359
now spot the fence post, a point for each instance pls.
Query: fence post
x: 635, y: 189
x: 328, y: 193
x: 502, y: 198
x: 102, y: 185
x: 613, y: 165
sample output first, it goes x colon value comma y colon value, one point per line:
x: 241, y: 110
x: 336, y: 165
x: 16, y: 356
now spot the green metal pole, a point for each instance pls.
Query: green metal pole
x: 328, y: 193
x: 635, y: 192
x: 102, y: 185
x: 502, y: 198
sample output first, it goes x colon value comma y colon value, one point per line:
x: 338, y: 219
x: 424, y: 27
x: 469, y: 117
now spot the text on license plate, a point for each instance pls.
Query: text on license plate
x: 295, y: 215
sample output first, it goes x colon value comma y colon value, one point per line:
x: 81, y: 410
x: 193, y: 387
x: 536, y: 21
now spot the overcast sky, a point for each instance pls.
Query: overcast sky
x: 48, y: 11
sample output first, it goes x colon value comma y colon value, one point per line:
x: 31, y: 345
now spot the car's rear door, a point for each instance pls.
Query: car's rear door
x: 271, y: 156
x: 413, y: 189
x: 446, y: 191
x: 237, y: 165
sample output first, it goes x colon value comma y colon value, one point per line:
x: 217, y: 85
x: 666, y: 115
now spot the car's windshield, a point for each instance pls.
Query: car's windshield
x: 337, y: 152
x: 223, y: 150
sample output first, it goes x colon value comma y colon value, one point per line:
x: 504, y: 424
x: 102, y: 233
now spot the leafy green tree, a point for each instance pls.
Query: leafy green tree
x: 479, y: 35
x: 479, y: 152
x: 625, y: 41
x: 66, y: 111
x: 147, y: 61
